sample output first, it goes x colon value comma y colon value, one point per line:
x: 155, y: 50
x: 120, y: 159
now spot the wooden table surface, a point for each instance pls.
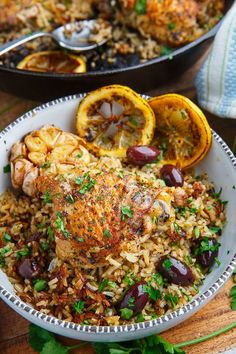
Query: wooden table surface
x: 14, y: 329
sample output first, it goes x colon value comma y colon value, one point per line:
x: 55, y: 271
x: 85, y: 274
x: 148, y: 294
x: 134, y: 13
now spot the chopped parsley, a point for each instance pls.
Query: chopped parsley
x: 23, y: 252
x: 131, y: 301
x: 154, y: 294
x: 134, y: 122
x: 171, y: 26
x: 70, y: 199
x: 167, y: 264
x: 106, y: 233
x: 215, y: 230
x: 106, y: 284
x: 140, y: 7
x: 85, y: 182
x: 40, y: 285
x: 196, y: 232
x: 6, y: 237
x: 120, y: 174
x: 176, y: 227
x: 80, y: 239
x: 193, y: 210
x: 165, y: 50
x: 126, y: 314
x: 126, y: 211
x: 79, y: 155
x: 173, y: 299
x: 47, y: 197
x: 46, y: 165
x: 78, y: 306
x: 140, y: 318
x: 207, y: 245
x: 60, y: 225
x: 50, y: 233
x: 130, y: 278
x: 157, y: 278
x: 7, y: 168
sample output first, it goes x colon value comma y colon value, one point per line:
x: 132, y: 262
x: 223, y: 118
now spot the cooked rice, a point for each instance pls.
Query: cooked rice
x: 28, y: 221
x: 135, y: 37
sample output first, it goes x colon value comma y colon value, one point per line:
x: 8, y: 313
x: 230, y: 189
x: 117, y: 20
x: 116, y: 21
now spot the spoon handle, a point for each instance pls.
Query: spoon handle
x: 19, y: 41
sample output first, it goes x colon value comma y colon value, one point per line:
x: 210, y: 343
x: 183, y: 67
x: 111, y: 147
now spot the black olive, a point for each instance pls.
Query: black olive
x: 172, y: 176
x: 142, y: 154
x: 28, y: 269
x: 175, y: 271
x: 207, y: 258
x: 134, y: 299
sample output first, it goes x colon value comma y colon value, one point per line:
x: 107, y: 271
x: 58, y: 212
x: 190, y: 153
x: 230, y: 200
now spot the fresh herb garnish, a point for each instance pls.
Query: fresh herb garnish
x: 176, y: 227
x: 79, y: 155
x: 206, y: 246
x: 70, y: 199
x: 154, y: 294
x: 46, y: 165
x: 40, y: 285
x: 157, y: 278
x: 233, y: 298
x: 126, y: 211
x: 78, y: 306
x: 193, y: 210
x: 171, y: 26
x: 23, y: 252
x: 172, y: 298
x: 196, y: 232
x: 129, y: 278
x: 106, y: 233
x: 140, y: 7
x: 165, y: 50
x: 6, y: 237
x: 106, y: 284
x: 7, y: 168
x: 47, y: 197
x: 80, y: 239
x: 60, y: 225
x: 50, y: 233
x: 215, y: 230
x: 167, y: 264
x: 126, y: 314
x: 131, y: 301
x: 85, y: 182
x: 45, y: 342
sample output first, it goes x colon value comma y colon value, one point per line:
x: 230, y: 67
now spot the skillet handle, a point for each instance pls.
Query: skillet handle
x: 19, y: 41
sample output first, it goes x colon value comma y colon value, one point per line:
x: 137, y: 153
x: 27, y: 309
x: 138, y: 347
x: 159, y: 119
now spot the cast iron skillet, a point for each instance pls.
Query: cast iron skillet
x: 142, y: 77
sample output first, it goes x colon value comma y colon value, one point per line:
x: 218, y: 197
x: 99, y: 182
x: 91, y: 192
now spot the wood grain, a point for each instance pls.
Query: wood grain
x: 14, y: 329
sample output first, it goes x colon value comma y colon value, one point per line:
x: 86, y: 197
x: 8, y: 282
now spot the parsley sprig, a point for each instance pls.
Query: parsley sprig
x: 60, y: 225
x: 45, y: 342
x: 126, y: 211
x: 86, y: 183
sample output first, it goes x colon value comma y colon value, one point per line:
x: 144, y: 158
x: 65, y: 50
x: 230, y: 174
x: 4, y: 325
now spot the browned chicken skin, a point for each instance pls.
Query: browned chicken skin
x: 93, y: 214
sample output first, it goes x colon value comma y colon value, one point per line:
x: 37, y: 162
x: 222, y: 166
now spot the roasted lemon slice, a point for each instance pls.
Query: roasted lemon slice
x: 182, y: 130
x: 53, y: 61
x: 113, y: 118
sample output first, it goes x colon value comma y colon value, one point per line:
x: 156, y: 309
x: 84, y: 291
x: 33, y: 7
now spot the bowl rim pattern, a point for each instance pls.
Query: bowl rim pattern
x: 182, y: 311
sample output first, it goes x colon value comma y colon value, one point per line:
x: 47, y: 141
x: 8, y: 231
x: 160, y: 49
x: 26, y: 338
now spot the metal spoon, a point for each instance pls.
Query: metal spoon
x: 72, y: 36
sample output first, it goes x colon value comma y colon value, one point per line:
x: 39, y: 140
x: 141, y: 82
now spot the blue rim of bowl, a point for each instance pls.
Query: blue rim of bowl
x: 135, y: 327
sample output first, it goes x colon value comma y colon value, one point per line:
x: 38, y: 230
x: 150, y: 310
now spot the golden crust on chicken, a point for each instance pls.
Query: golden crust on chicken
x: 93, y: 213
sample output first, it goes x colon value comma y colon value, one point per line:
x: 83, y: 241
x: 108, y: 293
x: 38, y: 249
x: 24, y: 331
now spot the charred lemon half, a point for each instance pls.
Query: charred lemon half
x: 113, y: 118
x: 182, y: 131
x: 53, y: 61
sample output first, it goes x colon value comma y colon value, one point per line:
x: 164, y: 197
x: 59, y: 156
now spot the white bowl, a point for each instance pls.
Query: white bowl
x: 220, y: 165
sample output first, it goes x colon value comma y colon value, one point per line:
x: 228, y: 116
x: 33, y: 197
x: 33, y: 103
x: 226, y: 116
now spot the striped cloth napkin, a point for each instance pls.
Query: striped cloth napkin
x: 216, y: 80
